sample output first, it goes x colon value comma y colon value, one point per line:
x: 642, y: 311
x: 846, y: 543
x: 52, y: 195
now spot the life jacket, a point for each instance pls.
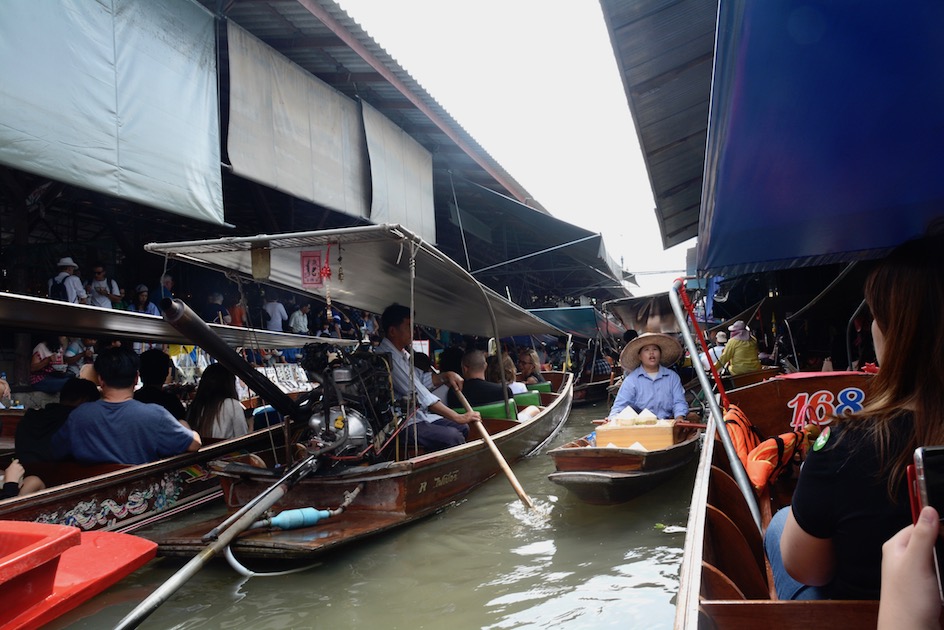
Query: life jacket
x: 744, y: 435
x: 770, y: 458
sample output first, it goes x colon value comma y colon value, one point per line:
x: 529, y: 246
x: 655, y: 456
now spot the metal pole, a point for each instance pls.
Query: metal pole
x: 716, y: 421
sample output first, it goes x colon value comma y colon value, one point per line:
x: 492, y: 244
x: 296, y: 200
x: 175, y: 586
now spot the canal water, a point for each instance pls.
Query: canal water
x: 484, y: 562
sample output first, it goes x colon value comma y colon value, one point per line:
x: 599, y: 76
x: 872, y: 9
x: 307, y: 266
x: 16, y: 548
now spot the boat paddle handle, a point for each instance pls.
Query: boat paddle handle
x: 496, y: 453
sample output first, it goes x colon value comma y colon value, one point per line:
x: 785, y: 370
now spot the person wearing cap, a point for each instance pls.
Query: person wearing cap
x: 73, y: 284
x: 741, y: 352
x: 141, y: 303
x: 649, y: 384
x: 714, y: 352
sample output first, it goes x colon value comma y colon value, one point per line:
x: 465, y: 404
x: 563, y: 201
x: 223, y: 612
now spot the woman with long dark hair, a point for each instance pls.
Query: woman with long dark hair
x: 852, y: 493
x: 216, y: 411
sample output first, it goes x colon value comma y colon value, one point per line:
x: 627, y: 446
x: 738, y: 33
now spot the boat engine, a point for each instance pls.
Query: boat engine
x: 355, y: 401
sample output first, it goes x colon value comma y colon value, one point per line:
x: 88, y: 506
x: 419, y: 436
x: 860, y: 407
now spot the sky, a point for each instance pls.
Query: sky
x: 535, y: 83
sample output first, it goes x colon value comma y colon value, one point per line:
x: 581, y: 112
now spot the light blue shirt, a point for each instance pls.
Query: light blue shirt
x: 663, y: 396
x: 407, y: 379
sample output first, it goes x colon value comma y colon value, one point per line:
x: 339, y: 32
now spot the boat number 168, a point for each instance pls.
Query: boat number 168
x: 821, y: 405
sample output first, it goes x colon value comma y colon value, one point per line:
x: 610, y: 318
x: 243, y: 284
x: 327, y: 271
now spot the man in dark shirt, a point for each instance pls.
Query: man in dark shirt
x: 476, y: 389
x: 36, y: 428
x: 155, y: 366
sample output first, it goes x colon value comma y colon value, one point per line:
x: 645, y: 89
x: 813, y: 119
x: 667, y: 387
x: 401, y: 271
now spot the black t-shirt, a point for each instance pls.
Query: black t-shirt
x: 157, y: 396
x: 842, y: 495
x: 477, y: 392
x: 35, y: 431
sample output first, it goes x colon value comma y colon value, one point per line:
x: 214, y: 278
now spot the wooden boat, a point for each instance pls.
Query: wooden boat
x: 119, y: 497
x: 360, y: 472
x: 47, y: 570
x: 725, y: 580
x: 604, y: 475
x: 391, y: 494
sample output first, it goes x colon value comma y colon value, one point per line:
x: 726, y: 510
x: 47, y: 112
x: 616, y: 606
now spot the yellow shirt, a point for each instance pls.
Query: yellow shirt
x: 742, y: 356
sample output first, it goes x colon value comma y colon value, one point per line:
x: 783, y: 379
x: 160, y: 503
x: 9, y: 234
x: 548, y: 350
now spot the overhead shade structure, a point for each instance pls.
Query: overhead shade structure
x: 367, y: 267
x: 581, y: 321
x: 664, y: 52
x: 651, y: 313
x: 33, y: 314
x: 557, y: 241
x: 290, y: 131
x: 825, y: 136
x: 116, y: 96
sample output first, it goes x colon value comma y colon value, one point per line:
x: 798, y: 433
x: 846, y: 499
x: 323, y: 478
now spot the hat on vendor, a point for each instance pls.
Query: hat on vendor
x: 141, y: 288
x: 739, y: 330
x: 670, y: 347
x: 721, y: 337
x: 66, y: 262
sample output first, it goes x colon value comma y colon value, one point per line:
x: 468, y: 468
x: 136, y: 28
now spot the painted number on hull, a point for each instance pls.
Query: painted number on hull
x: 440, y: 481
x: 819, y: 406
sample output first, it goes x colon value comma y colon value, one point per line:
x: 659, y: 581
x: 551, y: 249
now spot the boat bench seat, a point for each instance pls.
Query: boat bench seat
x: 495, y: 410
x: 539, y: 387
x: 528, y: 398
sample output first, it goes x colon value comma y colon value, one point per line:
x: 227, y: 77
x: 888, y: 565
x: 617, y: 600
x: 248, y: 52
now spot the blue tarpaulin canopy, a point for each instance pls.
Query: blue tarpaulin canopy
x: 825, y: 132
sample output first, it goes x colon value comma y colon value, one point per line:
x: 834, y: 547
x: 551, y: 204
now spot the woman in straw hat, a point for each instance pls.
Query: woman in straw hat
x: 649, y: 384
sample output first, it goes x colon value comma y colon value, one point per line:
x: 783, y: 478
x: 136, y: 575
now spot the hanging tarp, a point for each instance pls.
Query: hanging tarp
x: 117, y: 96
x: 581, y: 321
x: 824, y: 139
x: 401, y: 175
x: 652, y: 313
x: 291, y: 131
x: 367, y: 267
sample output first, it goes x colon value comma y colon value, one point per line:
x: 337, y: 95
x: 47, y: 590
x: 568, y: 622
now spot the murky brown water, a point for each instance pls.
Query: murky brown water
x: 485, y: 562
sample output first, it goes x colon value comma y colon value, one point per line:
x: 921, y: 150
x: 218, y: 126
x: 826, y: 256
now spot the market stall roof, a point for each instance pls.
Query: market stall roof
x: 825, y: 125
x: 368, y: 267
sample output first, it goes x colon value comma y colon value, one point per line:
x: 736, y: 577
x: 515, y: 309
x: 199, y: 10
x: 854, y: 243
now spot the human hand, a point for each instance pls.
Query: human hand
x: 470, y: 416
x: 910, y: 595
x: 453, y: 380
x: 14, y: 472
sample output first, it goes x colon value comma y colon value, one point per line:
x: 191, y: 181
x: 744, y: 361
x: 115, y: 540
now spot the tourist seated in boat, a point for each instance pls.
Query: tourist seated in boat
x: 214, y: 311
x: 47, y: 366
x: 4, y: 389
x: 476, y: 389
x: 530, y: 366
x: 80, y: 351
x: 434, y: 425
x: 216, y: 411
x: 852, y: 492
x: 740, y: 354
x: 16, y: 483
x: 910, y: 596
x: 35, y: 430
x: 714, y: 352
x: 155, y: 368
x: 494, y: 369
x: 648, y: 382
x: 119, y: 429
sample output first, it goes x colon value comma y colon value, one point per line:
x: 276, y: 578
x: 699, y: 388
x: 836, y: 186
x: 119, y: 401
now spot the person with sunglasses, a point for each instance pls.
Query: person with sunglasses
x: 103, y: 292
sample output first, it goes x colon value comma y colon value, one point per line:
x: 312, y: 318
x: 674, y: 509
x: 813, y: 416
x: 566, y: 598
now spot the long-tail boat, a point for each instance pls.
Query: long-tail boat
x: 360, y: 478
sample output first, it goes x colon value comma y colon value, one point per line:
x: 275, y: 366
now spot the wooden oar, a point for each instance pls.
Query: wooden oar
x: 497, y: 454
x: 270, y: 497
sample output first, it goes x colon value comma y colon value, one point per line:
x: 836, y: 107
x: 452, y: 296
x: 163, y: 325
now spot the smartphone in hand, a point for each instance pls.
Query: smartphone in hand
x: 929, y: 480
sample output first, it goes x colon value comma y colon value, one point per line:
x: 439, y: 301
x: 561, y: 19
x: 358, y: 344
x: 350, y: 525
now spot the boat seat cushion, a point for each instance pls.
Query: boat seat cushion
x: 540, y: 387
x: 495, y: 410
x: 528, y: 398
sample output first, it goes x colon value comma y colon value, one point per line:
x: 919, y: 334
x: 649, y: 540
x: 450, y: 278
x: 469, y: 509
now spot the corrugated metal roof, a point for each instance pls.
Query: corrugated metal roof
x: 664, y: 50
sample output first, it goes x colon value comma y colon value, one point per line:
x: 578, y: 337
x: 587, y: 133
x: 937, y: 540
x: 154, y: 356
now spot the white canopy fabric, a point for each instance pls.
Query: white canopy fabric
x: 370, y: 268
x: 401, y: 175
x: 117, y: 96
x: 293, y: 132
